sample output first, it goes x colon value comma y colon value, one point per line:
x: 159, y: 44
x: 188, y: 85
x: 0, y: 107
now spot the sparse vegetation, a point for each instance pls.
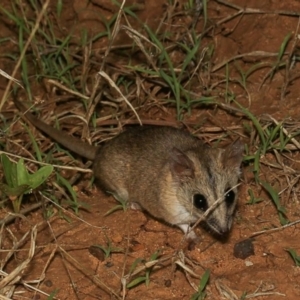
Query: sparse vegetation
x: 275, y: 198
x: 108, y: 249
x: 148, y: 269
x: 294, y: 256
x: 122, y: 206
x: 201, y: 294
x: 90, y: 70
x: 19, y: 182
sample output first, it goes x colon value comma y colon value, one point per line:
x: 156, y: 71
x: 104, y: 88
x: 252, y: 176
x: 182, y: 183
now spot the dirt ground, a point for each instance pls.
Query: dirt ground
x: 65, y: 262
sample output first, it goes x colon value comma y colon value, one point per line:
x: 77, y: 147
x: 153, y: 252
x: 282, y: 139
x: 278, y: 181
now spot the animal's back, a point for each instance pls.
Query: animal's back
x: 134, y: 160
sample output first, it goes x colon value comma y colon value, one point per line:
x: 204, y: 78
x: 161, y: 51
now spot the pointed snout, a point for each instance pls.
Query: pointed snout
x: 220, y: 228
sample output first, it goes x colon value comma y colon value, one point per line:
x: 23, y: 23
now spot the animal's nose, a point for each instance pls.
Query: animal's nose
x: 224, y: 231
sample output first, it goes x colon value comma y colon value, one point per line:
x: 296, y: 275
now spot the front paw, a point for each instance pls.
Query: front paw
x: 135, y: 206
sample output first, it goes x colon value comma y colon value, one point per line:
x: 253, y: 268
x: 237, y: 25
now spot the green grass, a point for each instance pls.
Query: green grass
x: 52, y: 56
x: 294, y: 255
x: 108, y: 249
x: 253, y: 199
x: 18, y: 181
x: 276, y: 200
x: 145, y: 278
x: 201, y: 294
x: 123, y: 205
x: 166, y: 66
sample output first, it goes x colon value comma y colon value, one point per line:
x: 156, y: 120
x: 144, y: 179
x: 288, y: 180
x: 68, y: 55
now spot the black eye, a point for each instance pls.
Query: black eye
x: 229, y: 197
x: 200, y: 202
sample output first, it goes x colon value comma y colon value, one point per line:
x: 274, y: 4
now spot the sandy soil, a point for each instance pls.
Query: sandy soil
x: 64, y: 260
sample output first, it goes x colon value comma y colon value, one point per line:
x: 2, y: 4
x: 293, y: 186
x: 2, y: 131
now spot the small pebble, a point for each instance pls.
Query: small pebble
x: 117, y: 238
x: 109, y: 264
x: 97, y: 252
x: 136, y: 246
x: 168, y: 283
x: 248, y: 263
x: 243, y: 249
x: 48, y: 283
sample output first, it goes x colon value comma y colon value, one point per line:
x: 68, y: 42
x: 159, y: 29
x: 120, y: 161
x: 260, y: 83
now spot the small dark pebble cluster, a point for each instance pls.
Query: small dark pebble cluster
x: 243, y: 249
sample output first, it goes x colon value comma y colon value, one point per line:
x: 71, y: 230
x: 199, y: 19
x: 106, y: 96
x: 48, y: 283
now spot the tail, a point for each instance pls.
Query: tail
x: 68, y: 141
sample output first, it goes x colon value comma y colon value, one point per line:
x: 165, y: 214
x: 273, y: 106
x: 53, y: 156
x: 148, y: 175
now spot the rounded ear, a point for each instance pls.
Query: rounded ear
x: 180, y: 164
x: 233, y: 155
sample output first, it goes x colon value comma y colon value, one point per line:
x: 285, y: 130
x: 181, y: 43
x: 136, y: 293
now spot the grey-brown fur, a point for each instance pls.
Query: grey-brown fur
x: 160, y: 169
